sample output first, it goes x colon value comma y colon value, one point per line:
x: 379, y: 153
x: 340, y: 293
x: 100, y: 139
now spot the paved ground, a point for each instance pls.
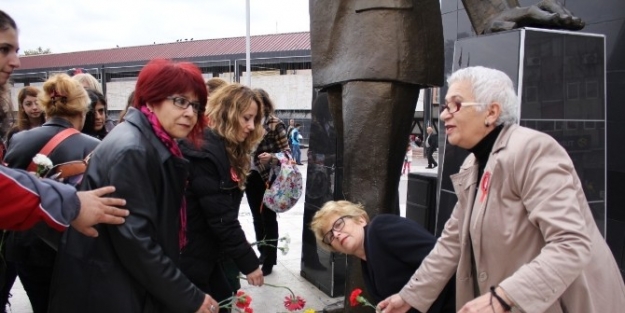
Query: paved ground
x: 286, y: 272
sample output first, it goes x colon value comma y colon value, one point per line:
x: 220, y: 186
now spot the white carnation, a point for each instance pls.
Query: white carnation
x: 43, y: 161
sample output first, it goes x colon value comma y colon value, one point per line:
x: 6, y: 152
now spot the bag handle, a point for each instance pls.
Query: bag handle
x: 52, y: 144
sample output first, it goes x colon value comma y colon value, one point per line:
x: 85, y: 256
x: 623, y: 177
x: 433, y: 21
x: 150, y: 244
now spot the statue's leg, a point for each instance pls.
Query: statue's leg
x: 376, y: 119
x: 376, y: 124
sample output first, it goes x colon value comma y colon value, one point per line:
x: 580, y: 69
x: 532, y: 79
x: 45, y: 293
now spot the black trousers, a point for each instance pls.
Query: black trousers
x: 430, y: 151
x: 36, y: 281
x: 8, y: 273
x: 265, y: 222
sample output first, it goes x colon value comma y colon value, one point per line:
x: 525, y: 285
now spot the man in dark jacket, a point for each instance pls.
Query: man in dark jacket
x: 431, y: 144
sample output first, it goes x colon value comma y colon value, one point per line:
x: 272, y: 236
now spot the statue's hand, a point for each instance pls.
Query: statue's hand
x: 546, y: 14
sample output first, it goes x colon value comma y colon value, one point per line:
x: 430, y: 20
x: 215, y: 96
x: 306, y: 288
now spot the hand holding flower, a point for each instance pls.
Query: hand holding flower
x: 356, y: 299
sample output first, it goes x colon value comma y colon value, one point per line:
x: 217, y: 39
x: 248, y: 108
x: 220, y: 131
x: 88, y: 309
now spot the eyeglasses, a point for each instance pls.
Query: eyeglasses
x: 183, y: 103
x: 454, y: 106
x: 337, y: 226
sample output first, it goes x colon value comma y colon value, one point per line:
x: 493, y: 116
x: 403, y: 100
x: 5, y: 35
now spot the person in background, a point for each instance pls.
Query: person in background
x: 265, y: 220
x: 29, y: 112
x: 296, y: 137
x: 521, y: 236
x: 219, y: 170
x: 133, y: 267
x: 96, y: 117
x: 407, y: 160
x: 88, y: 81
x: 213, y: 84
x: 390, y: 248
x: 65, y: 103
x: 289, y: 130
x: 91, y: 83
x: 129, y: 101
x: 431, y: 143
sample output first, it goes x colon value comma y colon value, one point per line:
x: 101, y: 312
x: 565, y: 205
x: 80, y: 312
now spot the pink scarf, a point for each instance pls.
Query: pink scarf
x: 175, y: 150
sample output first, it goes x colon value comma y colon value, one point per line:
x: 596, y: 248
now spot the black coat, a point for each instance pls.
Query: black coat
x: 131, y: 267
x: 432, y: 141
x: 26, y: 247
x: 395, y: 247
x: 213, y: 200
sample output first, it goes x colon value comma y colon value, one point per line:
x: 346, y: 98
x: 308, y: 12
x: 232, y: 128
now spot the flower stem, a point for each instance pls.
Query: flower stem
x: 272, y: 285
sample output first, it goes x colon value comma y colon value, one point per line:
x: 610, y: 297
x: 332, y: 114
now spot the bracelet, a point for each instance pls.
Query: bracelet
x: 506, y: 307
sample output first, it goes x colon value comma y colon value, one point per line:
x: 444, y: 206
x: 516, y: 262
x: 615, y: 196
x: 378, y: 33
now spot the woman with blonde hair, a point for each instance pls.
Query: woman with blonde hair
x: 65, y: 103
x: 88, y: 81
x: 213, y: 84
x: 390, y: 248
x: 219, y: 170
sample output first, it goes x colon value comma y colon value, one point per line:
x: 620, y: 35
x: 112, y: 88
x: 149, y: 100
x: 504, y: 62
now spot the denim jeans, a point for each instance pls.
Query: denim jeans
x: 297, y: 153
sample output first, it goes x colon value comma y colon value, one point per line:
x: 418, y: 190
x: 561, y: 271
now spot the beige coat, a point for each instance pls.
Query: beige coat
x: 532, y: 231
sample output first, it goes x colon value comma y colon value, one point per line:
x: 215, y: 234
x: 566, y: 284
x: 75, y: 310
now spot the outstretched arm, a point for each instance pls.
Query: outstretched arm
x: 28, y: 200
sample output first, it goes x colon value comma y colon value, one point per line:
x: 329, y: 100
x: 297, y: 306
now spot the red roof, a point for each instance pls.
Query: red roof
x: 174, y: 50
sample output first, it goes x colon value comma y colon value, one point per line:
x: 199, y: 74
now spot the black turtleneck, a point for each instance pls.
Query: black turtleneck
x: 483, y: 149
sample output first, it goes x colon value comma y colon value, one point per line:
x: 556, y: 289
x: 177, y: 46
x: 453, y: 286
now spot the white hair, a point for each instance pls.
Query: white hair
x: 490, y: 85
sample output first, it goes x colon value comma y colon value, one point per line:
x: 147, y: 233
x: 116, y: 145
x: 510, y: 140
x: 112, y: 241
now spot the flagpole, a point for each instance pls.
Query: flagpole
x: 248, y: 80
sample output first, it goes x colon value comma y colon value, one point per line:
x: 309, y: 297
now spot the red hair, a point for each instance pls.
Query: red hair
x: 161, y: 78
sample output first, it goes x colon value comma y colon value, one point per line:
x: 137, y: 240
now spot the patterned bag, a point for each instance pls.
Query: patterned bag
x: 286, y: 188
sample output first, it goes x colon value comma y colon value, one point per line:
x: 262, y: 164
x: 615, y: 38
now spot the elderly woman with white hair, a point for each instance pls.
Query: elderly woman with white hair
x: 521, y: 237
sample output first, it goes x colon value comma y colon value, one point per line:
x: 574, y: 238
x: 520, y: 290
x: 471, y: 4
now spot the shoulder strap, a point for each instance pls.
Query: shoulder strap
x: 52, y: 144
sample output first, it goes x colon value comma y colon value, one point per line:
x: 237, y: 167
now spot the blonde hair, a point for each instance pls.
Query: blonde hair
x: 88, y: 81
x: 331, y: 208
x: 223, y: 111
x: 215, y: 83
x: 63, y: 96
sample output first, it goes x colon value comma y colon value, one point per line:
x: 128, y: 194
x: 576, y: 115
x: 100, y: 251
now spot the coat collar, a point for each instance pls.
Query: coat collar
x: 212, y: 146
x: 467, y: 175
x: 139, y: 120
x: 58, y: 121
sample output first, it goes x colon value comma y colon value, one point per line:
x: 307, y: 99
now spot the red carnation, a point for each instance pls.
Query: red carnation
x: 294, y: 303
x: 243, y: 300
x: 353, y: 298
x: 249, y: 310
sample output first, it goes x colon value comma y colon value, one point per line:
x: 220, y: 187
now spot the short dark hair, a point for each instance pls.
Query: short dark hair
x: 298, y: 124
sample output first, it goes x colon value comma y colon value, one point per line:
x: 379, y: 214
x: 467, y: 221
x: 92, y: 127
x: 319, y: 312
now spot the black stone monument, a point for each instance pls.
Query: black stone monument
x: 560, y: 77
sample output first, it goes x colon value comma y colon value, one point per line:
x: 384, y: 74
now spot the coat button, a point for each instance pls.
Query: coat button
x: 483, y: 276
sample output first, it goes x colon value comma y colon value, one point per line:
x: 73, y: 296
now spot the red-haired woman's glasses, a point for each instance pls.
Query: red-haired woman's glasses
x: 183, y: 103
x: 337, y: 226
x: 454, y: 106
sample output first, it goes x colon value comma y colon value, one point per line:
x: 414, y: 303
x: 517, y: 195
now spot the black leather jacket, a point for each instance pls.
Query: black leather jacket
x: 131, y: 267
x: 26, y: 247
x: 213, y: 201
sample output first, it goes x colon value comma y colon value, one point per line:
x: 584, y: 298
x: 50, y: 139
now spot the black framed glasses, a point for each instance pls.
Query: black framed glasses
x: 184, y: 103
x: 454, y: 106
x: 337, y: 226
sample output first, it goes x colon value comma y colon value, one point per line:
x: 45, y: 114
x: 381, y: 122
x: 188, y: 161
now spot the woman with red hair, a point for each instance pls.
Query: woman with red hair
x: 134, y: 267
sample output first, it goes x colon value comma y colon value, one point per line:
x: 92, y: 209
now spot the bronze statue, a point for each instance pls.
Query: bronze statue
x: 372, y: 57
x: 488, y: 16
